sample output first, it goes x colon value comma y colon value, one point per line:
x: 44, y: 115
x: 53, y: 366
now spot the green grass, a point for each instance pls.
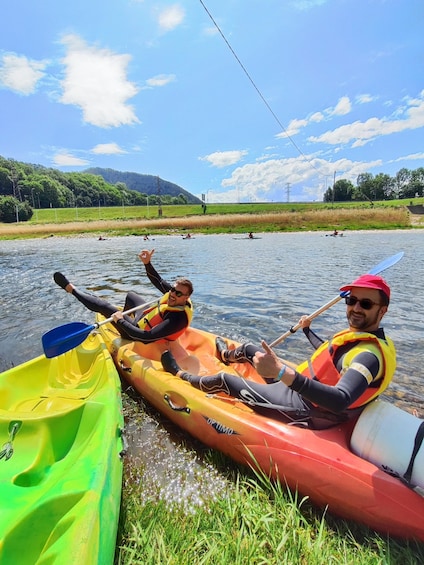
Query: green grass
x: 65, y: 215
x: 258, y: 522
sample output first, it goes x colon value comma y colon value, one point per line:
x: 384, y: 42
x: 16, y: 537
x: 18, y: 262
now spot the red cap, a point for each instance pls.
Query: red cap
x: 369, y: 281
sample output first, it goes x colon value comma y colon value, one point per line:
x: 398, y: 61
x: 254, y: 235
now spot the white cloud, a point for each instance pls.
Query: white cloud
x: 305, y: 5
x: 21, y: 74
x: 267, y: 156
x: 160, y: 80
x: 343, y: 107
x: 210, y: 31
x: 412, y: 157
x: 68, y: 160
x: 317, y: 117
x: 293, y: 128
x: 224, y: 158
x: 171, y: 17
x: 365, y: 98
x: 95, y: 81
x: 359, y: 133
x: 107, y: 149
x: 270, y: 180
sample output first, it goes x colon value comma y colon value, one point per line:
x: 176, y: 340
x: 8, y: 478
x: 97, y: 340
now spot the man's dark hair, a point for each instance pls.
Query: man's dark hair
x: 384, y: 299
x: 187, y: 283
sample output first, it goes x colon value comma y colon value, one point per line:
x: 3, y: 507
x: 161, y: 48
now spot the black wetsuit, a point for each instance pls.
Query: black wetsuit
x: 172, y: 321
x: 296, y: 402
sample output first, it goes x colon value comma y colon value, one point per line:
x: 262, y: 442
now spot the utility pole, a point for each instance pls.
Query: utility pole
x: 288, y: 191
x: 159, y: 200
x: 334, y: 186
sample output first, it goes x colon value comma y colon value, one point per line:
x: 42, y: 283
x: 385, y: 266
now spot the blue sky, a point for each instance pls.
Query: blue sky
x: 240, y: 100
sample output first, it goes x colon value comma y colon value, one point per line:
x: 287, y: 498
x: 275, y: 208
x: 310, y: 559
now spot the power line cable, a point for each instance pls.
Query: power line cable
x: 256, y: 88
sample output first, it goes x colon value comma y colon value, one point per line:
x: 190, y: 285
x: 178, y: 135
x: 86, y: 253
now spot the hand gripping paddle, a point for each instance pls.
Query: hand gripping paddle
x: 389, y: 262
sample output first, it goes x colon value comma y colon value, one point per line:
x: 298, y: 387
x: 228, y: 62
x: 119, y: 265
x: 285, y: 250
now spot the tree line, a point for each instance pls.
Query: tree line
x: 405, y: 184
x: 25, y: 187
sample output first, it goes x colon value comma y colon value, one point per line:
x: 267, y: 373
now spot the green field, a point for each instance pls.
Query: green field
x: 54, y: 215
x: 219, y: 218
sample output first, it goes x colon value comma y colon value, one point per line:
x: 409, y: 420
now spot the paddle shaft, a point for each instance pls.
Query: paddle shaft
x: 389, y: 262
x: 320, y: 310
x: 139, y: 307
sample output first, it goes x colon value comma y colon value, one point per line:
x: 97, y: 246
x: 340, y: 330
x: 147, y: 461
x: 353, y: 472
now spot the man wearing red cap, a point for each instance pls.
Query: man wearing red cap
x: 343, y: 375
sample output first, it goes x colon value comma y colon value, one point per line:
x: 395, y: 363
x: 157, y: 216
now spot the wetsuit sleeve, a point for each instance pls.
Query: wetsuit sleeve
x: 360, y: 374
x: 314, y: 340
x: 173, y: 322
x: 154, y: 277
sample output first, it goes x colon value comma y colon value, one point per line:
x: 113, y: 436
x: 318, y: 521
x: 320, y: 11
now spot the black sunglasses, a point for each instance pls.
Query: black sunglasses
x: 364, y: 303
x: 177, y: 292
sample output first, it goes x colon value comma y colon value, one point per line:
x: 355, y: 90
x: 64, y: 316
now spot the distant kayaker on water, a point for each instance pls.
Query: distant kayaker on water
x: 166, y: 320
x: 343, y: 375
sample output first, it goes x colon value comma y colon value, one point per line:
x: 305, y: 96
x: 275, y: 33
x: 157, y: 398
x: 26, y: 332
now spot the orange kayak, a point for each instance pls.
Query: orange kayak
x: 318, y: 463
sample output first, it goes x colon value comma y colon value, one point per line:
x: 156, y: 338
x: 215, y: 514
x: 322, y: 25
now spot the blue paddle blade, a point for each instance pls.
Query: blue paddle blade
x: 64, y: 338
x: 389, y: 262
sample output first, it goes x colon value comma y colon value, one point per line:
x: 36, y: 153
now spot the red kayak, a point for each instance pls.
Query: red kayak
x: 318, y: 463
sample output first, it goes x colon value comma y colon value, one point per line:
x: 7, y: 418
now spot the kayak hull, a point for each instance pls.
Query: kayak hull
x: 62, y: 481
x: 318, y: 463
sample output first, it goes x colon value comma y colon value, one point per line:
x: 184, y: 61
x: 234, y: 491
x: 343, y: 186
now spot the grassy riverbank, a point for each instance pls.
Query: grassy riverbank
x: 256, y: 522
x: 220, y: 218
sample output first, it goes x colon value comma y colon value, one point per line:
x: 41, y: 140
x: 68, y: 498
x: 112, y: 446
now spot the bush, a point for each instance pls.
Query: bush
x: 11, y: 210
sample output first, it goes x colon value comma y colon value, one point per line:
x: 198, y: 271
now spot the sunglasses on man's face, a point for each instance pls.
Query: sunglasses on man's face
x: 364, y: 303
x: 178, y: 293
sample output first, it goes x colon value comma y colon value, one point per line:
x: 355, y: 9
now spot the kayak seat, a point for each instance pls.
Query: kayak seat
x: 58, y: 383
x: 41, y: 443
x: 77, y: 371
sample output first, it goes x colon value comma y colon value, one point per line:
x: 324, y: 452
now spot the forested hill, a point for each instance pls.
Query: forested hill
x: 25, y: 187
x: 147, y: 184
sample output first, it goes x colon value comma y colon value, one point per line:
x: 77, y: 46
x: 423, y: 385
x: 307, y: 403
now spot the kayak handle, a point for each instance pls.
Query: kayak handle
x: 174, y: 406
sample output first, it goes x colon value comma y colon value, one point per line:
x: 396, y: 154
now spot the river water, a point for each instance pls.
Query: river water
x: 246, y: 289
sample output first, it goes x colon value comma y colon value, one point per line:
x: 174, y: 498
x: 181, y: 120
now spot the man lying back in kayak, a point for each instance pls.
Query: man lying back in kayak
x: 165, y: 321
x: 342, y: 376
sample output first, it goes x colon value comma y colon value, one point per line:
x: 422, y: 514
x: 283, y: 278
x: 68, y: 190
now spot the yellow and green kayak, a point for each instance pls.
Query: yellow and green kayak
x: 60, y: 458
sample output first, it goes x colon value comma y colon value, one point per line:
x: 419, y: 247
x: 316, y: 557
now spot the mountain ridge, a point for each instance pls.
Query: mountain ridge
x: 143, y: 183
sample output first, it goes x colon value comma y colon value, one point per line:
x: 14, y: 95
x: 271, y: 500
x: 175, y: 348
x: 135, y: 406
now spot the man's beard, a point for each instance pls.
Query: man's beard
x: 361, y: 322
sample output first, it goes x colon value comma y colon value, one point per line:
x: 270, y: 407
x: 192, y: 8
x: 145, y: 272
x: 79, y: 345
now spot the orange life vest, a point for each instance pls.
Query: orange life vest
x: 155, y: 315
x: 321, y: 365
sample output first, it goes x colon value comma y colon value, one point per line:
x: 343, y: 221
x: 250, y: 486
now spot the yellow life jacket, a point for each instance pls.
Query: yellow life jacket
x: 321, y: 365
x: 155, y: 315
